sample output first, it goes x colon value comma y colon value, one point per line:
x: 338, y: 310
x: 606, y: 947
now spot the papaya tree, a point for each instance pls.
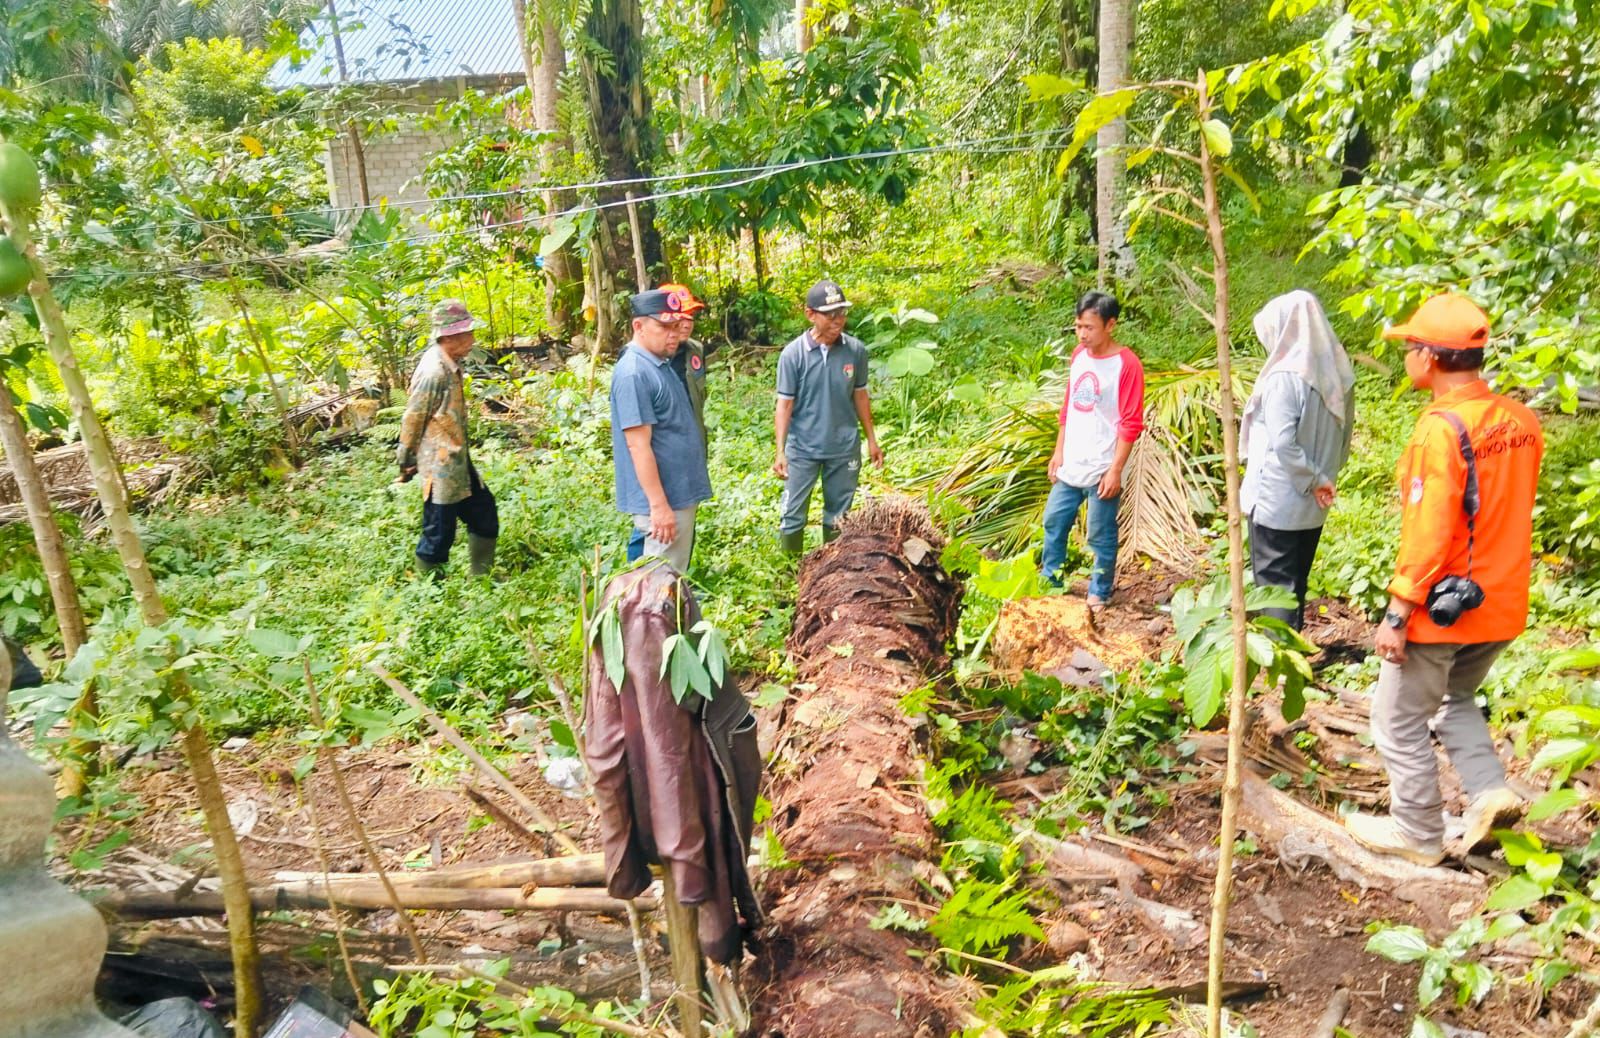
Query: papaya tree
x: 20, y: 192
x: 52, y: 548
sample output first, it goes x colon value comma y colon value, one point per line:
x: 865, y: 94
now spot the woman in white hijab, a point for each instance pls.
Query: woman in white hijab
x: 1295, y: 436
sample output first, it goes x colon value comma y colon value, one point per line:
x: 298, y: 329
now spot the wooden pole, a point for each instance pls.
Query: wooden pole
x: 1232, y: 777
x: 638, y: 243
x: 489, y: 771
x: 169, y: 904
x: 352, y: 819
x: 683, y: 937
x: 574, y: 870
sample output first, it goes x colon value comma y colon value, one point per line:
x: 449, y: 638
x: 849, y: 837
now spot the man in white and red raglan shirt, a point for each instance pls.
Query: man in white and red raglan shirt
x: 1101, y: 417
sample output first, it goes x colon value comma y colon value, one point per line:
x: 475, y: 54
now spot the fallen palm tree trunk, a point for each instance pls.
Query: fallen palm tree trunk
x: 875, y: 610
x: 312, y: 894
x: 574, y: 870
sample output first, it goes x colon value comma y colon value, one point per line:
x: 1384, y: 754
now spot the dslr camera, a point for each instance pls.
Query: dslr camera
x: 1452, y: 596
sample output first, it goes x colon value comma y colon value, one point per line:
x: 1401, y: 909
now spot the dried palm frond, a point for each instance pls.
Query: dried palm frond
x: 1156, y: 518
x: 1002, y: 482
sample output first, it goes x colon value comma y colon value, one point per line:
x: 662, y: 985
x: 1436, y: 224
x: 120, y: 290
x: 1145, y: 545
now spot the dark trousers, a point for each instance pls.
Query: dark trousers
x: 478, y: 511
x: 1282, y: 558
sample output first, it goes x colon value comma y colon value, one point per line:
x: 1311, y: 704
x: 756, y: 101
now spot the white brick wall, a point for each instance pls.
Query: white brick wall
x: 395, y: 161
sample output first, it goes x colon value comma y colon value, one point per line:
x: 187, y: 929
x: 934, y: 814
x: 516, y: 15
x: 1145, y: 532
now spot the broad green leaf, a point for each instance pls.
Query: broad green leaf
x: 1514, y: 895
x: 611, y: 648
x: 1399, y: 944
x: 1219, y: 139
x: 276, y: 644
x: 771, y: 694
x: 1544, y: 869
x: 1042, y: 86
x: 1422, y: 1027
x: 910, y: 360
x: 1553, y: 803
x: 967, y: 393
x: 559, y: 235
x: 1564, y: 755
x: 1202, y: 690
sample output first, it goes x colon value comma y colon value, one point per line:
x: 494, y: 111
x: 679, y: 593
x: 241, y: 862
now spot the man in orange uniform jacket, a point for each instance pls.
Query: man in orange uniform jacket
x: 1436, y: 644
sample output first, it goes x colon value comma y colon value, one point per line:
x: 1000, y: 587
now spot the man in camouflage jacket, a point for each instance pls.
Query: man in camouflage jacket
x: 433, y: 445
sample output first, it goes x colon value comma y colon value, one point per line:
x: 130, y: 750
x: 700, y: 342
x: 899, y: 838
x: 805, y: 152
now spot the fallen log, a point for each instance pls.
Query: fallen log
x: 573, y: 870
x: 1301, y: 835
x: 874, y: 612
x: 165, y: 904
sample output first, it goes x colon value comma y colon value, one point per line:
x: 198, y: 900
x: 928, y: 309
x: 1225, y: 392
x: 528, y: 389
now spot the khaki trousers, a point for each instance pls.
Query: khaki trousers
x: 1433, y: 693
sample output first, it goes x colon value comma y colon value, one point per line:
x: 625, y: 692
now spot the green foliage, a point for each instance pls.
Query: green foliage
x: 1052, y: 1001
x: 429, y: 1006
x: 26, y: 609
x: 850, y: 94
x: 210, y: 81
x: 982, y: 918
x: 1204, y: 627
x: 1488, y: 181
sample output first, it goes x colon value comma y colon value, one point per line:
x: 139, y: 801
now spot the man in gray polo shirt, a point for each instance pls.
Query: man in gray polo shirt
x: 658, y: 451
x: 822, y: 396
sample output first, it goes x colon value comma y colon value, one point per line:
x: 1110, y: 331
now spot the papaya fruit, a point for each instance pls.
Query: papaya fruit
x: 14, y: 271
x: 19, y: 179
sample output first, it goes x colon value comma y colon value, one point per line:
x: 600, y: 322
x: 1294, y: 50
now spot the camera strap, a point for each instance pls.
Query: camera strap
x: 1470, y: 501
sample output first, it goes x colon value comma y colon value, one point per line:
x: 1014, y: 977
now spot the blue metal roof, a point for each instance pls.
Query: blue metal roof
x: 406, y: 41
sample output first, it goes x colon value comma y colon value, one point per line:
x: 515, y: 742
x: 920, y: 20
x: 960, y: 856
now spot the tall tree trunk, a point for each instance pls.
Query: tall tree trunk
x: 112, y: 493
x: 758, y: 257
x: 81, y: 754
x: 802, y: 27
x: 542, y: 67
x: 620, y: 121
x: 358, y: 153
x: 1077, y: 41
x: 46, y: 534
x: 840, y: 809
x: 1232, y: 780
x: 1116, y: 43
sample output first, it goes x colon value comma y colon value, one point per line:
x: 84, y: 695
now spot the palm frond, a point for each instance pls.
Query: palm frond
x: 1156, y: 518
x: 1001, y: 483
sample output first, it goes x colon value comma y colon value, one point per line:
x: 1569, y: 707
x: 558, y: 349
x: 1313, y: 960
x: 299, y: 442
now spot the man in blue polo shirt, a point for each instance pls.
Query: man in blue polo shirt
x: 822, y: 396
x: 658, y: 451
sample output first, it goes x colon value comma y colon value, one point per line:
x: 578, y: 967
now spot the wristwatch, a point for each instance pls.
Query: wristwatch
x: 1393, y: 619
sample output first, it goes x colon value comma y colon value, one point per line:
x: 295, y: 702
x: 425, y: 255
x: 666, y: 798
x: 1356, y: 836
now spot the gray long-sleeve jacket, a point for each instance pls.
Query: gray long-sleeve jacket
x: 1295, y: 446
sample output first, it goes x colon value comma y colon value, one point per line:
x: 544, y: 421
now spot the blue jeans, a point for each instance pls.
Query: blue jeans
x: 1060, y: 512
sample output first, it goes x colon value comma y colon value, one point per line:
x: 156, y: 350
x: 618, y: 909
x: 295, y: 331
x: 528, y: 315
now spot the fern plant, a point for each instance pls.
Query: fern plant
x: 982, y: 918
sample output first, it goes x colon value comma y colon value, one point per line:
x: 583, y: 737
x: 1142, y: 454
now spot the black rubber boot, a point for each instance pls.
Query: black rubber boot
x: 425, y: 568
x: 829, y: 533
x: 793, y: 543
x: 480, y: 551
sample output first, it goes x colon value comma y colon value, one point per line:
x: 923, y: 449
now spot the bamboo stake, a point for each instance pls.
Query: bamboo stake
x: 112, y: 492
x: 683, y: 938
x: 558, y: 688
x: 339, y: 921
x: 1232, y: 778
x: 311, y: 895
x: 489, y: 771
x: 573, y: 870
x: 642, y: 277
x: 352, y: 819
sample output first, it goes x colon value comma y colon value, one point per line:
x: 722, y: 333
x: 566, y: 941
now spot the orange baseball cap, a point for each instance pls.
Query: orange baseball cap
x: 681, y: 300
x: 1450, y: 321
